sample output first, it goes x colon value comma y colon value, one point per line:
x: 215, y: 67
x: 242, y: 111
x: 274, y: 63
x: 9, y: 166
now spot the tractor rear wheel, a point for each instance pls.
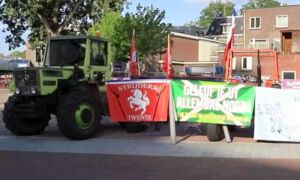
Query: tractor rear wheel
x: 78, y: 114
x: 19, y: 123
x: 214, y: 132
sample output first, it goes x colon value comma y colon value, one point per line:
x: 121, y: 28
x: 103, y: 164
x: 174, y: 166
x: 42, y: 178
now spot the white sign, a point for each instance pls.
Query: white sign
x: 277, y: 114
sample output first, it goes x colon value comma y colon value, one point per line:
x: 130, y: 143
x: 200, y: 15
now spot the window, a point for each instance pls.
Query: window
x: 246, y: 63
x: 282, y: 21
x: 289, y: 74
x: 255, y: 22
x: 66, y: 52
x: 233, y: 64
x: 225, y: 28
x: 259, y: 43
x: 99, y: 53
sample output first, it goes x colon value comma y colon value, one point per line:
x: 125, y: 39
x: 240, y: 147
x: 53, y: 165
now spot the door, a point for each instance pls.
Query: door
x: 287, y: 42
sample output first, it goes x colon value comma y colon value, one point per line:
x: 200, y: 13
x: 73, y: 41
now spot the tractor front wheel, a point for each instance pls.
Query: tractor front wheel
x: 78, y: 114
x: 21, y: 123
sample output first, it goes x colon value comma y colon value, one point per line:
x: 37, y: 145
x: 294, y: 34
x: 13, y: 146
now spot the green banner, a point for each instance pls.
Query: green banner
x: 213, y: 102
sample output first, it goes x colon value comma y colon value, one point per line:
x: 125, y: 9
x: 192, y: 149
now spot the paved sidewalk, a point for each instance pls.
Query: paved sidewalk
x: 114, y: 140
x: 151, y: 148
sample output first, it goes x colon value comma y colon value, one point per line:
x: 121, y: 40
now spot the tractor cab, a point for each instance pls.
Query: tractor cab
x: 66, y: 59
x: 90, y: 54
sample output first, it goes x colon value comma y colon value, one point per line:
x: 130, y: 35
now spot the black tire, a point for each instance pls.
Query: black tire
x: 17, y: 124
x: 122, y: 125
x: 83, y: 102
x: 214, y: 132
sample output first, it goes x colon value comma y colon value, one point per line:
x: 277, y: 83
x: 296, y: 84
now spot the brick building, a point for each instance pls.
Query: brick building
x: 275, y: 28
x: 187, y: 52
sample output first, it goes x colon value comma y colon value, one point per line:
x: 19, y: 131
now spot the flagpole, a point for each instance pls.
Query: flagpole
x: 138, y: 65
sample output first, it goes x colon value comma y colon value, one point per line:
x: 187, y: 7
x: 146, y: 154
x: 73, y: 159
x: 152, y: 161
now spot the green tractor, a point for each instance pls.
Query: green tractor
x: 70, y: 85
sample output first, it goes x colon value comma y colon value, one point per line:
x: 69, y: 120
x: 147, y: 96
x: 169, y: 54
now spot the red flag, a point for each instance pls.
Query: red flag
x: 133, y: 67
x: 167, y: 68
x: 230, y: 38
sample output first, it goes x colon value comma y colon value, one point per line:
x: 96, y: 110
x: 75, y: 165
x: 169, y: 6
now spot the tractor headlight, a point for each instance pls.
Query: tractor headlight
x: 17, y: 91
x: 33, y: 90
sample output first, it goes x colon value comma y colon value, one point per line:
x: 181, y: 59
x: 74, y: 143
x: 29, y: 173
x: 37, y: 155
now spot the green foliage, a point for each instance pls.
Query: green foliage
x: 18, y: 54
x: 107, y: 27
x: 214, y: 9
x: 50, y: 18
x: 2, y: 56
x: 150, y: 31
x: 193, y: 23
x: 12, y: 86
x: 253, y: 4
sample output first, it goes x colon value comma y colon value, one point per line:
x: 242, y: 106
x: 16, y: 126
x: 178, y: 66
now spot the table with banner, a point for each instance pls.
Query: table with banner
x: 277, y: 119
x: 213, y: 102
x: 149, y: 100
x: 143, y: 100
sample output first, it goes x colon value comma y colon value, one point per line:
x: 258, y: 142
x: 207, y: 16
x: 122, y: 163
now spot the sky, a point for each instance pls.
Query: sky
x: 178, y: 12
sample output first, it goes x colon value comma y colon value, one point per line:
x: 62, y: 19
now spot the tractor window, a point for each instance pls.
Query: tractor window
x: 99, y: 53
x: 67, y: 52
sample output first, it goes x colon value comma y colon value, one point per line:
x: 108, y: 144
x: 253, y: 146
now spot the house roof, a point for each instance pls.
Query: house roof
x: 195, y: 37
x: 216, y: 26
x: 265, y: 8
x: 190, y: 30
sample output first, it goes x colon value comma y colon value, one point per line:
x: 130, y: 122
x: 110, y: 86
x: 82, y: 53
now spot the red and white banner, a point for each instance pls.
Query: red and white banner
x: 230, y: 38
x: 133, y: 67
x: 138, y: 100
x: 167, y: 68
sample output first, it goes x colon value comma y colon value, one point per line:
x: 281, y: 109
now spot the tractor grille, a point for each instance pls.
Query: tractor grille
x: 26, y: 78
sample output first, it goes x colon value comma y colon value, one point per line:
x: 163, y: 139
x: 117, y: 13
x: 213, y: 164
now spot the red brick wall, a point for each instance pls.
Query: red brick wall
x: 290, y: 63
x: 285, y: 63
x: 184, y: 49
x: 268, y: 21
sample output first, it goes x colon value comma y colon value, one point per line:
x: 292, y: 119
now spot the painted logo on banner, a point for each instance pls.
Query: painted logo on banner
x: 213, y: 102
x: 138, y: 100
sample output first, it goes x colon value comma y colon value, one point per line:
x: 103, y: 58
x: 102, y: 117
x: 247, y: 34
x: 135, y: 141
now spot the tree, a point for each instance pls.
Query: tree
x: 2, y: 56
x: 18, y: 54
x: 253, y: 4
x: 214, y: 9
x: 50, y: 18
x: 150, y: 31
x: 107, y: 27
